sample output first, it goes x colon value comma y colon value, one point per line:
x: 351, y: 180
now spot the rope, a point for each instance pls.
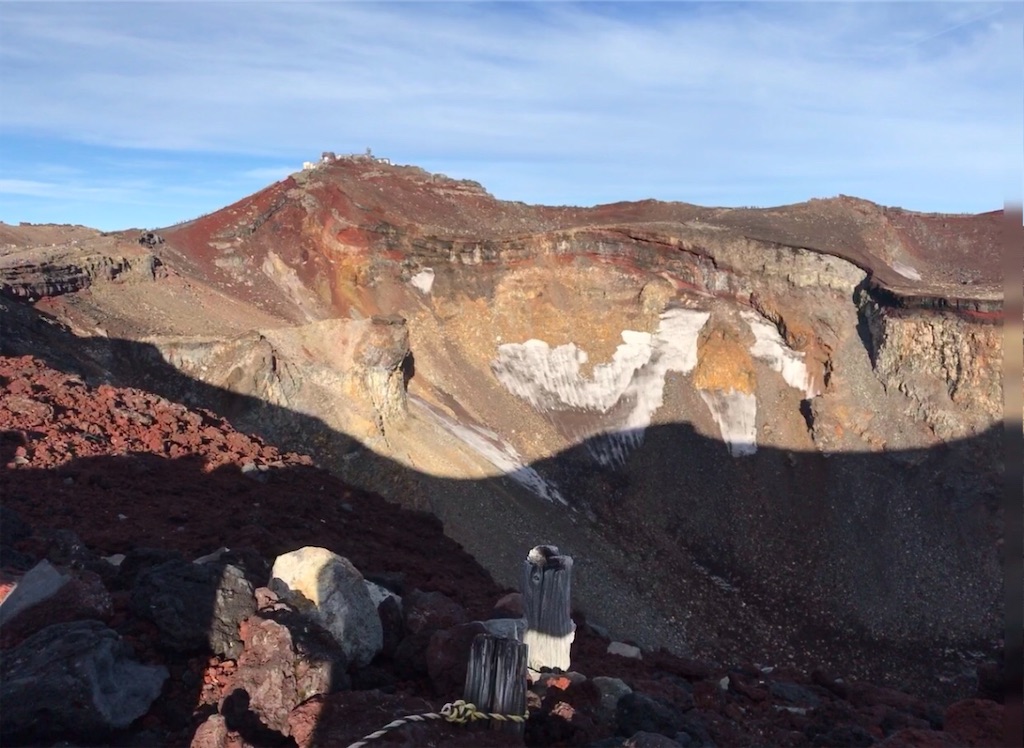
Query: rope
x: 457, y: 712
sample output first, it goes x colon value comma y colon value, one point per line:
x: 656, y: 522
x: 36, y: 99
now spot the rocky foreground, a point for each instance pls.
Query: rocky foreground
x: 136, y: 546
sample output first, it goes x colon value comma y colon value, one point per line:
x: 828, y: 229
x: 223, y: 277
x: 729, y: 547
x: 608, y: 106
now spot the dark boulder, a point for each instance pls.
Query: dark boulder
x: 73, y: 680
x: 195, y: 606
x: 636, y: 712
x: 430, y: 611
x: 448, y: 656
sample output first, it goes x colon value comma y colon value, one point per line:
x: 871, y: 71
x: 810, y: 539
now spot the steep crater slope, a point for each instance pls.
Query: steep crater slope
x: 768, y: 432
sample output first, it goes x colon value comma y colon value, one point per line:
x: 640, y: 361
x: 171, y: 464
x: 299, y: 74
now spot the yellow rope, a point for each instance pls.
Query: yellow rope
x: 457, y: 712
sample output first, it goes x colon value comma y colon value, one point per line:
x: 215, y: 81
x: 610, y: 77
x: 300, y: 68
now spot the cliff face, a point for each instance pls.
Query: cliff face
x: 950, y: 367
x: 767, y: 431
x: 31, y: 271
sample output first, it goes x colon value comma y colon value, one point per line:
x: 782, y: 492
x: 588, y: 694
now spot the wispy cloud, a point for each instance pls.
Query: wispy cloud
x: 732, y: 103
x: 60, y: 190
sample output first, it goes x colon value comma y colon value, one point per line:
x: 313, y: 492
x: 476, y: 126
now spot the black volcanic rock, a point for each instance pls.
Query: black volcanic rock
x: 76, y: 680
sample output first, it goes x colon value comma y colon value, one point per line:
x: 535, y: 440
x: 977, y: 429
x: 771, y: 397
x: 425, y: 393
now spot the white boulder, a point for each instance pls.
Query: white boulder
x: 329, y: 589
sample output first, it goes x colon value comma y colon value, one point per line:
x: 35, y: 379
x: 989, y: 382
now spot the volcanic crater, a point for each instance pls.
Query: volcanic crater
x: 765, y: 435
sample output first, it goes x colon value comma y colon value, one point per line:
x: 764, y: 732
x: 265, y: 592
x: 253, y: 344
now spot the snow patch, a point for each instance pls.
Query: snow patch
x: 770, y: 348
x: 496, y: 451
x: 906, y: 271
x: 550, y: 379
x: 736, y: 416
x: 423, y: 281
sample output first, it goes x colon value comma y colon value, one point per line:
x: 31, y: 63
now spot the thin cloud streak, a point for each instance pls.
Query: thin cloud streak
x: 830, y: 95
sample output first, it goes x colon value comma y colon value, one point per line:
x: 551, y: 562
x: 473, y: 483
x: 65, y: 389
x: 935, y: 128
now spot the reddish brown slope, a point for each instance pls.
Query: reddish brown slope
x: 126, y: 469
x: 319, y: 219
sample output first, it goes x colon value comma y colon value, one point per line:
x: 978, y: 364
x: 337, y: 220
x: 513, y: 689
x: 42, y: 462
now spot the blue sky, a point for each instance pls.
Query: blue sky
x: 141, y: 114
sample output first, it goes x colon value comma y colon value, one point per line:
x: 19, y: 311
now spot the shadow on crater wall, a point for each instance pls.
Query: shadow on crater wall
x: 870, y: 564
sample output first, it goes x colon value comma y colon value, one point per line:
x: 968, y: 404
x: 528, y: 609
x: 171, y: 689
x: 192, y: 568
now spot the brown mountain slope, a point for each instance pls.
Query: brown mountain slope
x: 353, y: 206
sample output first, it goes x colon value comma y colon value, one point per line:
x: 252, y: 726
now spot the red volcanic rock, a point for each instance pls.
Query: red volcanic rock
x: 448, y: 656
x: 566, y: 711
x: 509, y: 606
x: 976, y: 722
x: 213, y: 733
x: 425, y: 611
x: 272, y: 679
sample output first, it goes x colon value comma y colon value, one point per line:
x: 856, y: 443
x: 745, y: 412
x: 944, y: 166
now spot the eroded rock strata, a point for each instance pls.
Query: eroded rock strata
x: 768, y: 432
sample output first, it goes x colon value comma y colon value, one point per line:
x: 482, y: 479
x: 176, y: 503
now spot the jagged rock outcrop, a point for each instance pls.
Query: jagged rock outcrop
x: 36, y: 272
x: 949, y: 367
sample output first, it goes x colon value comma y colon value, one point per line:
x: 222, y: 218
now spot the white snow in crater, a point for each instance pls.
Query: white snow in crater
x: 906, y: 271
x: 423, y: 281
x: 736, y: 416
x: 498, y: 452
x: 550, y: 379
x: 770, y: 348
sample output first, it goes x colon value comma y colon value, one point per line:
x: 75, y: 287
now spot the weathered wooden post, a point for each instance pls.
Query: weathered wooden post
x: 546, y: 602
x: 496, y: 679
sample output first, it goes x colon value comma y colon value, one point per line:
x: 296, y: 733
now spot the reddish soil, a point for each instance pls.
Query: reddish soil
x: 126, y: 469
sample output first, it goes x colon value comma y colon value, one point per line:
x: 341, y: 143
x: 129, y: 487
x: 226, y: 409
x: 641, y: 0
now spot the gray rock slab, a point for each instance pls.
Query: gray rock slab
x: 507, y: 628
x: 41, y: 582
x: 73, y: 680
